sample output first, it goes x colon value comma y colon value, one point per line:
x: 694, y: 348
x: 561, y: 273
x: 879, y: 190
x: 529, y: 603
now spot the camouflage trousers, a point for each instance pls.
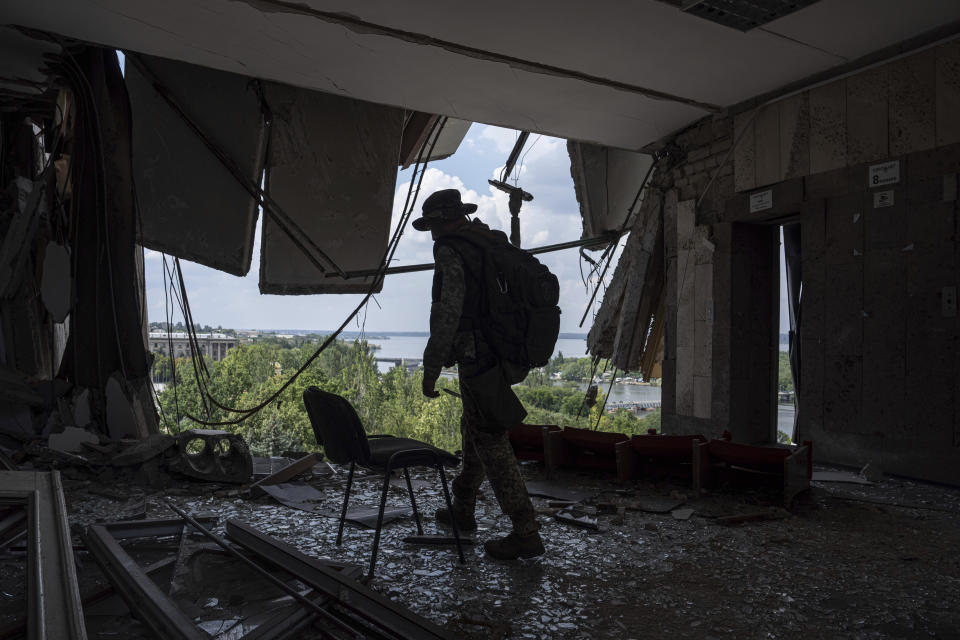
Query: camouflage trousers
x: 487, y: 452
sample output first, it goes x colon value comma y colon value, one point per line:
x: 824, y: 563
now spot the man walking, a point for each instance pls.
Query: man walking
x: 489, y: 405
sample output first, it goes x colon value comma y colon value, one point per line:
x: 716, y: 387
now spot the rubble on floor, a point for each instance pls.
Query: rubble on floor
x: 845, y: 561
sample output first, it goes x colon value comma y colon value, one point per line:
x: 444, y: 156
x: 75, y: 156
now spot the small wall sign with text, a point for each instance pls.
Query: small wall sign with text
x: 883, y: 199
x: 761, y: 201
x: 884, y: 173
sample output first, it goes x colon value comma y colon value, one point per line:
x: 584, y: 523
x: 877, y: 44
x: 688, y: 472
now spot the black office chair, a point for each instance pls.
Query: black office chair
x: 337, y: 427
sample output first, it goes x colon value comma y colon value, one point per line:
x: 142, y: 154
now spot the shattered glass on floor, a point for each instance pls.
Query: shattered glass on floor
x: 849, y: 560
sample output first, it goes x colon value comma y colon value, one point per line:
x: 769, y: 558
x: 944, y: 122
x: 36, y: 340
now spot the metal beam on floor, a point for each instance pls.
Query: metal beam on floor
x: 348, y: 593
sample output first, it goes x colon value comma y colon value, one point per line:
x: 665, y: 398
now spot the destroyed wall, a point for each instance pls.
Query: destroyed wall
x: 692, y: 383
x: 868, y: 166
x: 72, y: 342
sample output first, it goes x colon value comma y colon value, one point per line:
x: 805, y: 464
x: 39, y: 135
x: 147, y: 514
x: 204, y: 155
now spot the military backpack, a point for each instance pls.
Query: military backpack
x: 518, y: 313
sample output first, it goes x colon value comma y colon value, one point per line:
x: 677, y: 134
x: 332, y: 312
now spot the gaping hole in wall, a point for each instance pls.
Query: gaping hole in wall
x: 132, y: 188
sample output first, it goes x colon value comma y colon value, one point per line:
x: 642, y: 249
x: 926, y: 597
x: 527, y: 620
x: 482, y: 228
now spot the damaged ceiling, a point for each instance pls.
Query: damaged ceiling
x: 606, y: 182
x: 190, y: 204
x: 622, y: 75
x: 332, y: 168
x: 25, y: 74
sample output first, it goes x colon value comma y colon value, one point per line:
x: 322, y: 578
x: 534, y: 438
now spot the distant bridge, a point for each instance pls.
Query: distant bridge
x: 402, y: 362
x: 633, y: 406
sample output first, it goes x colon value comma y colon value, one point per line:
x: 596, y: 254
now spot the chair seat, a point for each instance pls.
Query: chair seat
x: 382, y: 448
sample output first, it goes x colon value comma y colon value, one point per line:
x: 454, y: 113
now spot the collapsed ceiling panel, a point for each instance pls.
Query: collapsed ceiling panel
x: 25, y: 72
x: 606, y: 182
x: 332, y: 169
x: 191, y: 205
x: 417, y: 130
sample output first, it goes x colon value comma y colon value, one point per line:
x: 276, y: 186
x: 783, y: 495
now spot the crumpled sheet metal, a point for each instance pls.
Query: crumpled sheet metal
x: 225, y: 456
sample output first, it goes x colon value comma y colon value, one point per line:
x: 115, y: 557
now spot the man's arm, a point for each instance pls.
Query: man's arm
x: 444, y: 316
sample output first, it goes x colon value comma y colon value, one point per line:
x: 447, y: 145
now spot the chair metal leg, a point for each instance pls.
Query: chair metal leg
x: 413, y: 501
x: 453, y: 518
x: 346, y: 500
x: 376, y: 535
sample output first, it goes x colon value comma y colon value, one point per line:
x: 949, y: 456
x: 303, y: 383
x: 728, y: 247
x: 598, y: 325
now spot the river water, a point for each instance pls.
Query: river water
x: 412, y: 347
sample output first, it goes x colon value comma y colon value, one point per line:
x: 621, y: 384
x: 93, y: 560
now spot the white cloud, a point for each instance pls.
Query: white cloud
x: 503, y: 139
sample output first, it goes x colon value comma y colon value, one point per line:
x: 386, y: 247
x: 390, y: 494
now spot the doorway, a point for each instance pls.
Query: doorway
x: 788, y: 333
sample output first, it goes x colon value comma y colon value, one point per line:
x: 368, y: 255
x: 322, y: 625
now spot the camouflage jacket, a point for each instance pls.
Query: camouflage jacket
x: 453, y: 298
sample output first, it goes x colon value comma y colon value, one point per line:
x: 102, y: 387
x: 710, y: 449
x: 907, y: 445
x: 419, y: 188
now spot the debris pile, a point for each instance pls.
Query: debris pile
x: 646, y: 557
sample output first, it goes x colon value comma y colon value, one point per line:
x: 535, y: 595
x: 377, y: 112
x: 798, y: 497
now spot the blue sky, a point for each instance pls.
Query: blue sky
x: 218, y: 298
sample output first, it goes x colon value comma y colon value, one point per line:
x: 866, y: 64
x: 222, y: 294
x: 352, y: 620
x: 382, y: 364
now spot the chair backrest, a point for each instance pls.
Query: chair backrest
x: 337, y: 427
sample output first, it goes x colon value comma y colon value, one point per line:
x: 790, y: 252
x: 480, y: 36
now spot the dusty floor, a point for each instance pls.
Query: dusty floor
x: 841, y: 566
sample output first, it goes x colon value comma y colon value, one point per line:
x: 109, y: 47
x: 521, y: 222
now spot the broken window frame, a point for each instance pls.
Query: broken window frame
x: 53, y: 596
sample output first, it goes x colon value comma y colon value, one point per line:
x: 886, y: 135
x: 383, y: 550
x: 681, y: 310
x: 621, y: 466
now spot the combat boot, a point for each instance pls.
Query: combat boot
x: 465, y: 522
x: 515, y: 546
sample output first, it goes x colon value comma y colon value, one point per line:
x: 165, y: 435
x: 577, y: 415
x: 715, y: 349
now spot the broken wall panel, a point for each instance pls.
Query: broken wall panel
x: 332, y: 168
x: 191, y: 205
x: 605, y: 181
x: 621, y: 327
x: 899, y: 107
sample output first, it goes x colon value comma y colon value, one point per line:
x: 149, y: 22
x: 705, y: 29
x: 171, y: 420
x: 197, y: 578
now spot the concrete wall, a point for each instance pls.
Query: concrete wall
x: 880, y: 338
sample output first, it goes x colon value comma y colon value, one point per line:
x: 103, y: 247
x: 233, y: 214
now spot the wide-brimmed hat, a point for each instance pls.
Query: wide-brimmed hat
x: 442, y: 206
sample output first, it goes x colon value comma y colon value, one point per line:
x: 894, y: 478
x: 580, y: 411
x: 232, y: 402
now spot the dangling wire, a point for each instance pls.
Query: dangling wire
x: 409, y: 204
x: 609, y: 251
x: 603, y: 407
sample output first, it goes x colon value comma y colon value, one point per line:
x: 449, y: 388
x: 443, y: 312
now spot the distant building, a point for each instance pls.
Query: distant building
x: 214, y: 345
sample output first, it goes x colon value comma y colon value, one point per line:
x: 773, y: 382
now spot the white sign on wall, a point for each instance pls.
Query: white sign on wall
x: 761, y: 201
x: 883, y: 173
x: 882, y: 199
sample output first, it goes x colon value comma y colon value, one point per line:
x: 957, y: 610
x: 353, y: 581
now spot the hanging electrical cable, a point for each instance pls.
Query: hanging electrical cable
x: 173, y: 362
x: 517, y: 196
x: 623, y: 227
x: 409, y: 204
x: 603, y: 407
x: 590, y: 393
x: 286, y: 224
